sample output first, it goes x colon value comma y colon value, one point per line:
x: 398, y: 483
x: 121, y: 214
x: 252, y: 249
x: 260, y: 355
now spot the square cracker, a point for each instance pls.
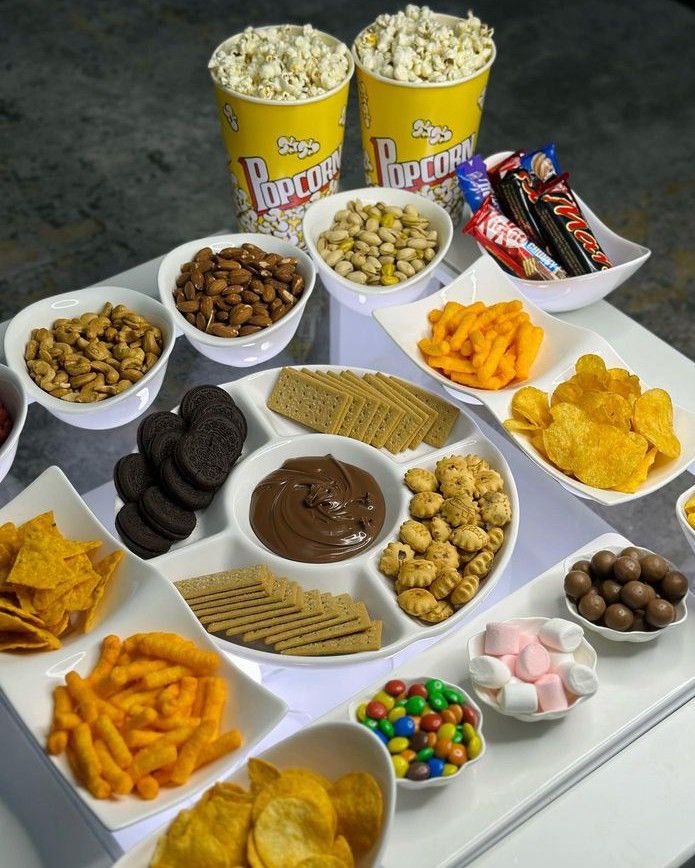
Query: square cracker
x: 225, y: 580
x: 447, y: 414
x: 370, y: 411
x: 338, y: 610
x: 307, y: 400
x: 352, y: 409
x: 393, y: 415
x: 312, y: 607
x: 361, y: 622
x: 399, y: 393
x: 354, y: 643
x: 413, y: 423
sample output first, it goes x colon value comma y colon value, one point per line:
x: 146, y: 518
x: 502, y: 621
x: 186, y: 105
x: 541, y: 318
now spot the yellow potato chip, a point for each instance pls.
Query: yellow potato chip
x: 566, y: 393
x: 624, y: 383
x: 342, y: 850
x: 652, y: 416
x: 607, y: 408
x: 227, y: 818
x: 289, y: 830
x: 299, y: 783
x: 359, y: 805
x: 187, y: 844
x: 631, y: 485
x: 252, y: 856
x: 531, y: 404
x: 321, y: 860
x: 591, y: 365
x: 261, y: 773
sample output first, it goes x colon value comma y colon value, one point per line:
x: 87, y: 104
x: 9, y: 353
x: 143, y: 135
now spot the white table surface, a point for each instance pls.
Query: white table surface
x: 646, y: 779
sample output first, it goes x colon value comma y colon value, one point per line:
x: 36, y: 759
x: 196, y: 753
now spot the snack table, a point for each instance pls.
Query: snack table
x: 647, y: 778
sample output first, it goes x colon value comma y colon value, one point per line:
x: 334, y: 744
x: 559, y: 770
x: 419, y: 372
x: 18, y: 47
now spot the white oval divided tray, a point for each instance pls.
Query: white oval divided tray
x: 224, y: 539
x: 138, y: 599
x: 562, y: 345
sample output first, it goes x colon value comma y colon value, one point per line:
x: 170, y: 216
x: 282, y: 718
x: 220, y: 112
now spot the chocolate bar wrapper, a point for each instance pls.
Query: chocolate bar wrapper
x: 542, y: 163
x: 517, y: 192
x: 474, y: 182
x: 510, y: 245
x: 499, y: 170
x: 566, y: 227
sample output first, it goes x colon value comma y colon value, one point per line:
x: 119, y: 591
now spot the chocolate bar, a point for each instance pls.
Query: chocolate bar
x: 517, y: 192
x: 474, y: 182
x: 499, y: 170
x: 542, y: 163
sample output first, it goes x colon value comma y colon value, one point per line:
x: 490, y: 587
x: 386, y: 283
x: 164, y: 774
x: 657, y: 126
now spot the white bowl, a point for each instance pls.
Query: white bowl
x: 476, y: 648
x: 406, y: 783
x: 114, y: 411
x: 573, y: 293
x: 333, y: 749
x: 680, y: 504
x: 253, y: 349
x: 13, y: 397
x: 635, y: 636
x: 364, y: 299
x: 562, y: 345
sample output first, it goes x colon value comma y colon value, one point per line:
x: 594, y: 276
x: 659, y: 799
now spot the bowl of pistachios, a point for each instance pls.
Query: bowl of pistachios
x: 376, y: 246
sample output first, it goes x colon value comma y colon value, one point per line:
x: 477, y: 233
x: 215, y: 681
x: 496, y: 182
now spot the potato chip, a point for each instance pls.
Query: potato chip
x: 323, y: 860
x: 569, y: 425
x: 261, y: 773
x: 252, y: 856
x: 300, y: 783
x: 360, y: 808
x: 607, y: 408
x: 633, y: 482
x: 188, y: 844
x: 591, y: 365
x: 652, y: 416
x: 521, y: 425
x: 342, y: 850
x: 531, y: 404
x: 289, y: 830
x: 566, y: 393
x: 227, y: 818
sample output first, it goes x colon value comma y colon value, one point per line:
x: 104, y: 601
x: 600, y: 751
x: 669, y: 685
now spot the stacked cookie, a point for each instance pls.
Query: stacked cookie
x: 183, y: 459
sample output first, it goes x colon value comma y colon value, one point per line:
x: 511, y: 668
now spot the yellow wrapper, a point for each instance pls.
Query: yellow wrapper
x: 415, y: 134
x: 282, y: 155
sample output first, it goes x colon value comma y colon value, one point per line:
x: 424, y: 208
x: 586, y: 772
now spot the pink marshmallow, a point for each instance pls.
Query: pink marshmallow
x: 509, y: 661
x: 533, y: 662
x: 525, y: 639
x: 501, y: 637
x: 551, y: 694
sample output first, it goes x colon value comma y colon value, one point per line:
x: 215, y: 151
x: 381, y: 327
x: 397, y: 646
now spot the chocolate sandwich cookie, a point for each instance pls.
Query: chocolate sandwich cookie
x: 203, y: 396
x: 181, y: 491
x: 137, y: 534
x: 157, y: 423
x: 203, y: 458
x: 226, y: 411
x: 225, y: 432
x: 131, y: 476
x: 162, y: 445
x: 165, y: 516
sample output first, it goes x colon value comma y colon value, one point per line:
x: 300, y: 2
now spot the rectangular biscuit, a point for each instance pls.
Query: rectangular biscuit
x: 410, y: 425
x: 225, y: 580
x: 372, y: 415
x: 401, y: 394
x: 447, y: 413
x: 353, y: 408
x: 357, y: 624
x: 367, y: 640
x: 393, y: 416
x: 292, y: 601
x: 312, y: 607
x: 305, y: 399
x: 338, y: 610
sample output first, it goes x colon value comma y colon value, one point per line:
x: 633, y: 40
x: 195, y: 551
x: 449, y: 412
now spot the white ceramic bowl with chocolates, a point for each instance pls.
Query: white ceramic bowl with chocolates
x: 625, y: 595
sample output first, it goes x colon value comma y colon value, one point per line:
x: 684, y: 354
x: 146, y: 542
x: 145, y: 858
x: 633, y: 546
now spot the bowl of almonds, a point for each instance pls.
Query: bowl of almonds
x: 237, y: 298
x: 95, y: 358
x: 376, y: 246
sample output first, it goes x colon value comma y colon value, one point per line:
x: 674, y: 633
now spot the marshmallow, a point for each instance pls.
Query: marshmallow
x: 509, y: 661
x: 518, y: 697
x: 532, y: 662
x: 489, y: 672
x: 558, y: 658
x: 501, y: 638
x: 560, y: 635
x: 578, y: 678
x: 551, y: 693
x: 525, y: 639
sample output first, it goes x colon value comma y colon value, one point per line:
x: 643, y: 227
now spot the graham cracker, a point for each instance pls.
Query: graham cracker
x: 277, y: 593
x: 366, y: 415
x: 350, y: 411
x: 291, y: 600
x: 224, y: 596
x: 367, y: 640
x: 339, y: 610
x: 447, y: 414
x: 410, y: 425
x: 312, y: 607
x: 393, y: 416
x: 307, y: 400
x: 399, y: 393
x: 360, y: 622
x: 226, y: 580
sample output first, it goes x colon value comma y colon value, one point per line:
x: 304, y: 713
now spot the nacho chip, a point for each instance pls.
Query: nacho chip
x: 360, y: 808
x: 531, y: 404
x: 105, y: 568
x: 9, y: 608
x: 652, y: 416
x: 17, y: 634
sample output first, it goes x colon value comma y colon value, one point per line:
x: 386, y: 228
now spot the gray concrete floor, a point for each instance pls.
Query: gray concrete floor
x: 111, y: 155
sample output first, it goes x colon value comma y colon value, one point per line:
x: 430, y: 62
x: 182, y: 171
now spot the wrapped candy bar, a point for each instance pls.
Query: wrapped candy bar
x: 510, y: 245
x: 566, y: 228
x: 517, y: 192
x: 474, y: 182
x: 499, y: 170
x: 542, y: 163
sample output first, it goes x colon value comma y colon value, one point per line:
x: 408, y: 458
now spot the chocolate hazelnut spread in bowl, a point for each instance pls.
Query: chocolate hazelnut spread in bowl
x: 317, y: 509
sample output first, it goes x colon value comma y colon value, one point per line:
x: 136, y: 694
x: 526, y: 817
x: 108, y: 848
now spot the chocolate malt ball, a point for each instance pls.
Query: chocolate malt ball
x: 583, y: 566
x: 577, y: 584
x: 654, y: 568
x: 659, y: 613
x: 626, y: 569
x: 602, y: 564
x: 635, y: 595
x: 632, y: 552
x: 592, y: 606
x: 610, y: 590
x: 618, y: 617
x: 674, y: 586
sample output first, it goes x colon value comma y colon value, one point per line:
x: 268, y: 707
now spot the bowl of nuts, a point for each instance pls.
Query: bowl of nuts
x: 376, y: 246
x: 95, y: 358
x: 237, y: 298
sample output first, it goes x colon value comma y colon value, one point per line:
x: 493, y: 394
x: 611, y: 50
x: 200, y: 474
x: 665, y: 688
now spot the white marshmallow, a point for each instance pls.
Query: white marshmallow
x: 561, y: 635
x: 578, y: 679
x: 518, y: 697
x: 489, y: 672
x: 501, y: 637
x: 557, y: 658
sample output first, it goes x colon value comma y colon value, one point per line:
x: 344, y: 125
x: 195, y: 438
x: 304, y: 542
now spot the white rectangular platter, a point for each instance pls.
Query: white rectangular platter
x: 527, y: 765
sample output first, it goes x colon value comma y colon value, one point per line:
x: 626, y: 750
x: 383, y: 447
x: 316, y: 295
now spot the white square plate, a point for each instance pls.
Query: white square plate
x: 139, y: 599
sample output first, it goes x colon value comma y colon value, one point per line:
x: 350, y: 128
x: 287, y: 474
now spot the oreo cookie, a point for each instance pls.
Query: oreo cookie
x: 181, y: 491
x: 155, y: 424
x: 166, y: 517
x: 226, y: 411
x: 131, y: 476
x: 137, y: 534
x: 162, y: 445
x: 203, y: 396
x: 203, y: 458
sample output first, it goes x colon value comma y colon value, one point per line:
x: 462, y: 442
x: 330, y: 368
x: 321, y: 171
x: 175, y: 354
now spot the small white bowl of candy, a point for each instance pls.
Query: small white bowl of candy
x: 532, y: 668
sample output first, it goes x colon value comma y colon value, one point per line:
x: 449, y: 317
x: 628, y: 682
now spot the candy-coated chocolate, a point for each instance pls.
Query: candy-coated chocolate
x: 417, y: 690
x: 457, y: 755
x: 425, y: 754
x: 376, y: 710
x: 474, y: 747
x: 458, y: 738
x: 408, y: 755
x: 396, y: 744
x: 415, y: 704
x: 426, y: 710
x: 446, y: 730
x: 381, y: 735
x: 431, y: 739
x: 386, y: 727
x: 383, y: 697
x: 400, y: 766
x: 467, y: 733
x: 394, y: 687
x: 448, y: 716
x: 416, y: 721
x: 401, y: 703
x: 404, y: 726
x: 362, y: 711
x: 468, y: 715
x: 370, y: 723
x: 452, y: 695
x: 449, y: 770
x: 442, y: 747
x: 396, y: 714
x: 436, y: 767
x: 430, y: 722
x: 437, y: 702
x: 457, y: 710
x: 418, y: 740
x: 418, y: 771
x: 434, y: 685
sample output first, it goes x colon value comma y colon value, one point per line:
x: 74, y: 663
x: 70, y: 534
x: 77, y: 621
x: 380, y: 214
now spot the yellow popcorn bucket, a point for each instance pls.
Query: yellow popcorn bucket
x: 282, y: 155
x: 414, y: 134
